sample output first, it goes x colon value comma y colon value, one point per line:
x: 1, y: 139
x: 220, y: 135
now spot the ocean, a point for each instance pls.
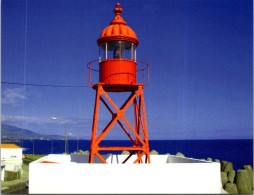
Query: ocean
x: 239, y: 152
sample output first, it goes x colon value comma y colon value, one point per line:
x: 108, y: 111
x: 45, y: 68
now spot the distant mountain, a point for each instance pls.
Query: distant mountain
x: 9, y: 132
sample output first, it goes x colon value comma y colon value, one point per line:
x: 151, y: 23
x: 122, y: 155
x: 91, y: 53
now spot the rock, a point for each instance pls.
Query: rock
x: 243, y: 182
x: 250, y: 172
x: 154, y: 152
x: 210, y: 159
x: 216, y: 160
x: 179, y: 154
x: 125, y: 152
x: 223, y: 163
x: 231, y: 188
x: 224, y: 178
x: 231, y: 176
x: 228, y: 167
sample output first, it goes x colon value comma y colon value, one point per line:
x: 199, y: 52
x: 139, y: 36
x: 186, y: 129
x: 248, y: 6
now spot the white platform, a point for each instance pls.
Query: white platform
x: 166, y: 174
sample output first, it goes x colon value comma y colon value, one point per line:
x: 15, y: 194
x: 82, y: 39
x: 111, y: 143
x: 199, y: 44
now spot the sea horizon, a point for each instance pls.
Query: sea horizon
x: 237, y: 151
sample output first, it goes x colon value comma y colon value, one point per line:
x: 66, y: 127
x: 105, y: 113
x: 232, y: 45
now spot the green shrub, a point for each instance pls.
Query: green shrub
x: 12, y: 175
x: 32, y: 157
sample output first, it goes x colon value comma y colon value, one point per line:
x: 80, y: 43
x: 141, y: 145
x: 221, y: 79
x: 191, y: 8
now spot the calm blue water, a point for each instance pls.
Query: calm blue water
x: 239, y: 152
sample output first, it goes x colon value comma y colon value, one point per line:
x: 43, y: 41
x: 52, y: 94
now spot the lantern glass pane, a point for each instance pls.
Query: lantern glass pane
x: 102, y: 51
x: 114, y: 49
x: 126, y: 48
x: 117, y: 49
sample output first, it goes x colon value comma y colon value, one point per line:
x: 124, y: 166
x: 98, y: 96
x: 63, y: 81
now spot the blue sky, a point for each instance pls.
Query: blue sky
x: 200, y: 55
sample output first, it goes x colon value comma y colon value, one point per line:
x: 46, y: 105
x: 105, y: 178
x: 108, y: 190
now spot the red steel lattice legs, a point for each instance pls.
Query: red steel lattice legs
x: 140, y: 143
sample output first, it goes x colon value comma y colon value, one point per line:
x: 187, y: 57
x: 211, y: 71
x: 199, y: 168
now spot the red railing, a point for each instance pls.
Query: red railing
x: 142, y: 71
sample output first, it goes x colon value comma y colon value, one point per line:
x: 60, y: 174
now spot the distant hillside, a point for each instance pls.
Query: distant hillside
x: 9, y: 132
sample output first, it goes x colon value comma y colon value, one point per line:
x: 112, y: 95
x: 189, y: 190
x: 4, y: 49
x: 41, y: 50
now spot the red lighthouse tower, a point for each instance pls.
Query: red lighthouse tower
x: 120, y: 71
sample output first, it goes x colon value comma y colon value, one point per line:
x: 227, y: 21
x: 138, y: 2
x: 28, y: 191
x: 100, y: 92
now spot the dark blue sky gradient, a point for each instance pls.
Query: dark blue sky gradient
x: 200, y: 55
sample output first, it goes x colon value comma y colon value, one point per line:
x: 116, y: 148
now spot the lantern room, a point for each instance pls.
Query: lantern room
x: 117, y: 52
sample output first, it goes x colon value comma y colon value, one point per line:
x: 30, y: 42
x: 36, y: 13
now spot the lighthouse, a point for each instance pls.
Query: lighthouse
x: 119, y: 72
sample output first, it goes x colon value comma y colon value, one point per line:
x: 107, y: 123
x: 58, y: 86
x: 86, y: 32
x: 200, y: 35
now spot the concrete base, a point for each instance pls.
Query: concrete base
x: 72, y: 174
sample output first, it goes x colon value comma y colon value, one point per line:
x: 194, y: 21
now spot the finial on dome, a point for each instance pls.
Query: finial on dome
x: 118, y: 18
x: 118, y: 10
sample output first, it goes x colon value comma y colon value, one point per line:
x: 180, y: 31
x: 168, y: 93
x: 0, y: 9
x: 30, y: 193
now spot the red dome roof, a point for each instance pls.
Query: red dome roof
x: 118, y: 30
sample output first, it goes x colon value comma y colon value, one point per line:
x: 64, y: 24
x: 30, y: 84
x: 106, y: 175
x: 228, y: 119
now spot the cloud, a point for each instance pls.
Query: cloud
x: 13, y: 96
x: 43, y: 120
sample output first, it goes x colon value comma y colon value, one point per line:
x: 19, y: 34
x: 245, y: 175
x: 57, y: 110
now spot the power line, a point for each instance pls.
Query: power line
x: 42, y: 85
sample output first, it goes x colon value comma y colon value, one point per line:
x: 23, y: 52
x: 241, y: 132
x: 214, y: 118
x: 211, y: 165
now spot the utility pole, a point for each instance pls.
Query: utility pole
x: 66, y: 142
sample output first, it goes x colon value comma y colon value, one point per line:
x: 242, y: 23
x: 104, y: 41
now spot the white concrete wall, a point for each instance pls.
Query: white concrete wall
x: 12, y: 158
x: 13, y: 165
x: 2, y: 174
x: 7, y: 153
x: 155, y: 159
x: 160, y: 177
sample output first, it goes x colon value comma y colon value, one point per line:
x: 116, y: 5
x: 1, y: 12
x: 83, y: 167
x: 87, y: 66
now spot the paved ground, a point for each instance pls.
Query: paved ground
x: 17, y: 186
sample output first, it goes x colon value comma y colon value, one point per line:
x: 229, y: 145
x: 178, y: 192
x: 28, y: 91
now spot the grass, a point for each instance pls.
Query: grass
x: 32, y: 157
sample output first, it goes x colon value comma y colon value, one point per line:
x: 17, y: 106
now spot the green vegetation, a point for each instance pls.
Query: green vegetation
x: 32, y: 157
x: 10, y: 141
x: 12, y: 175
